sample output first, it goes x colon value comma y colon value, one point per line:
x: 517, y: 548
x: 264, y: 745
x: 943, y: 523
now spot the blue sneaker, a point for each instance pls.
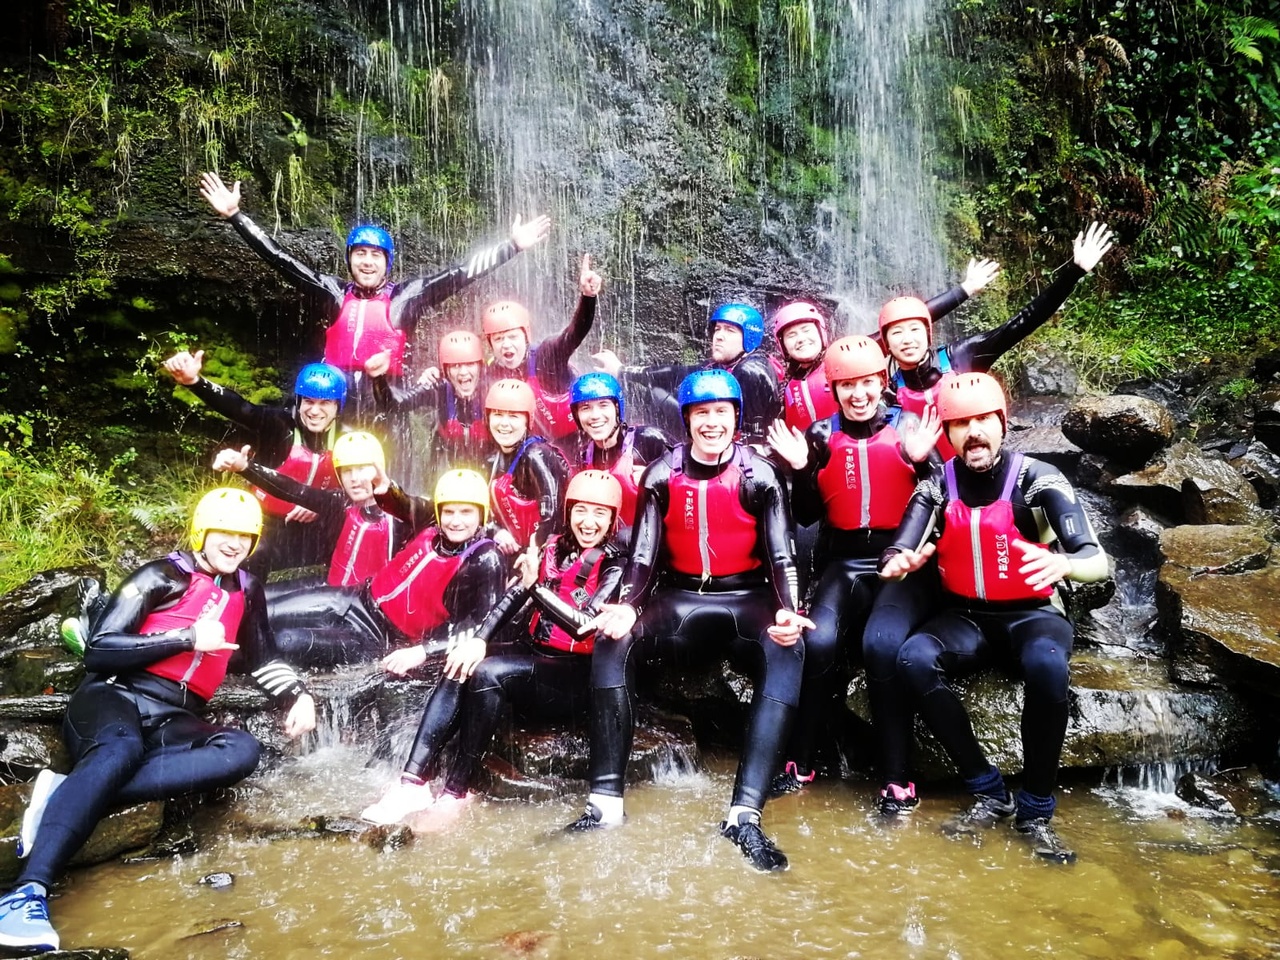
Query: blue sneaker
x: 46, y: 782
x: 24, y: 921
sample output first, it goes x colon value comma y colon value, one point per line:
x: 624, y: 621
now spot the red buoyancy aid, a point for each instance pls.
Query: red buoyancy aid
x: 916, y: 401
x: 866, y: 483
x: 552, y: 413
x: 200, y: 671
x: 363, y: 328
x: 305, y: 466
x: 364, y: 547
x: 976, y: 555
x: 624, y: 470
x: 809, y: 399
x: 520, y: 515
x: 708, y: 532
x: 575, y: 584
x: 410, y: 589
x: 475, y: 432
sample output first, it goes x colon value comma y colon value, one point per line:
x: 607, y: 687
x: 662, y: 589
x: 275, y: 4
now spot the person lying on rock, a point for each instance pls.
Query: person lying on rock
x: 711, y: 574
x: 530, y: 652
x: 133, y: 730
x: 1008, y: 529
x: 370, y: 313
x: 441, y: 583
x: 919, y: 365
x: 297, y: 441
x: 368, y: 537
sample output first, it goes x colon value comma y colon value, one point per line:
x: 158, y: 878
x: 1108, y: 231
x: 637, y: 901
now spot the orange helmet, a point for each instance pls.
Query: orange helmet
x: 503, y: 316
x: 851, y: 358
x: 460, y: 346
x: 514, y: 396
x: 965, y: 395
x: 594, y: 486
x: 905, y: 308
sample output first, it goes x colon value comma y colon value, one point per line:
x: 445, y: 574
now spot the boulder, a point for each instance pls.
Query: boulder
x: 27, y: 748
x: 1235, y: 792
x: 1187, y: 485
x: 1046, y: 443
x: 1215, y: 548
x: 1049, y: 372
x: 1266, y: 418
x: 1126, y: 428
x: 1261, y: 468
x: 40, y: 597
x: 1138, y: 531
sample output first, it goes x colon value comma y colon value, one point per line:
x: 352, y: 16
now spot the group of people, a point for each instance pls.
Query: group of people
x: 562, y: 548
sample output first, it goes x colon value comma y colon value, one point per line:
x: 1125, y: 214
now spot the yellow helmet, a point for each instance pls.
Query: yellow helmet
x: 463, y: 486
x: 229, y: 510
x: 358, y: 449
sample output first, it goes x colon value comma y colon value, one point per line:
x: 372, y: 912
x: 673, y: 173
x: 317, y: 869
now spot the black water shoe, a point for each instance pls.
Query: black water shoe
x: 1044, y: 840
x: 984, y: 814
x: 755, y: 846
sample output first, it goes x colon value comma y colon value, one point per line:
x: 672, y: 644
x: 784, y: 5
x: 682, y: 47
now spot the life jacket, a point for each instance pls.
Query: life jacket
x: 472, y: 433
x: 552, y: 413
x: 866, y: 484
x: 410, y: 589
x: 305, y: 466
x: 520, y: 515
x: 363, y: 328
x: 364, y: 547
x: 976, y: 555
x: 779, y: 368
x: 200, y: 671
x: 624, y: 470
x: 708, y: 532
x: 808, y: 399
x: 915, y: 401
x: 575, y: 584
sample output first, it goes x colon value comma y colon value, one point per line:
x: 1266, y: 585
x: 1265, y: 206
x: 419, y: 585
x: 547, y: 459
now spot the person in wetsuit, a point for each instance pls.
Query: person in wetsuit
x: 611, y: 444
x: 1008, y: 529
x: 154, y: 658
x: 918, y: 364
x: 508, y: 329
x: 529, y: 652
x: 526, y: 475
x: 439, y: 584
x: 853, y: 474
x: 736, y: 334
x: 711, y: 574
x: 297, y: 442
x: 368, y: 536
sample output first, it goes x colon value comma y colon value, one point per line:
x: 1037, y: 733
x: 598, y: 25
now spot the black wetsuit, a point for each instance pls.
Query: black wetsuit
x: 686, y: 620
x: 968, y: 634
x: 135, y: 736
x: 538, y: 680
x: 541, y: 475
x: 648, y: 443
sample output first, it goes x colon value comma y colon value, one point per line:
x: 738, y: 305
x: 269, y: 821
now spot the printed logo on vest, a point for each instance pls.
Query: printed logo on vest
x: 1002, y: 556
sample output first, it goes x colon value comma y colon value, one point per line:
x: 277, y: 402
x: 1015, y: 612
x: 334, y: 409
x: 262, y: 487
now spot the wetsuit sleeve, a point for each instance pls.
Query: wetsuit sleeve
x: 651, y: 443
x: 257, y: 643
x: 979, y: 352
x: 944, y: 303
x: 646, y: 536
x: 571, y: 618
x: 270, y: 427
x: 327, y: 503
x: 411, y: 298
x: 418, y: 512
x: 506, y: 610
x: 476, y: 588
x: 806, y: 501
x: 295, y: 271
x: 116, y: 646
x: 554, y: 352
x: 1060, y: 515
x: 920, y: 519
x: 666, y: 377
x: 544, y: 472
x: 761, y: 404
x: 767, y: 500
x: 393, y: 399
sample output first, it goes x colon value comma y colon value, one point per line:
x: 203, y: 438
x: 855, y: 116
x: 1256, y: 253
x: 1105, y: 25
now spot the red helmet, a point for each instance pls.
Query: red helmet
x: 460, y: 346
x: 799, y: 312
x: 594, y: 486
x: 851, y: 358
x: 513, y: 396
x: 965, y: 395
x: 503, y: 316
x: 905, y: 308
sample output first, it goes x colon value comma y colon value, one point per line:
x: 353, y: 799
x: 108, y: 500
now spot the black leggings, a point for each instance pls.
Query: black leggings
x: 326, y: 626
x: 128, y: 748
x: 684, y: 628
x: 964, y: 640
x: 538, y: 685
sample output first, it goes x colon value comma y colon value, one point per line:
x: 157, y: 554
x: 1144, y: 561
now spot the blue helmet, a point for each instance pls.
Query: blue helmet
x: 746, y: 318
x: 596, y: 386
x: 706, y: 386
x: 321, y: 381
x: 368, y: 235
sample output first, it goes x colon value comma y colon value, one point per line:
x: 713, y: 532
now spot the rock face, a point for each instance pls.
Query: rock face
x: 1125, y: 428
x: 1187, y: 485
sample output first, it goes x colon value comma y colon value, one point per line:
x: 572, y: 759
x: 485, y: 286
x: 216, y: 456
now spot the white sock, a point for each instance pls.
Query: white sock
x: 738, y: 815
x: 610, y: 808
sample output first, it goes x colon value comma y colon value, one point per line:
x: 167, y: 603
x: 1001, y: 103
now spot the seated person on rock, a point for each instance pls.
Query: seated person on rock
x: 155, y: 657
x: 368, y: 537
x: 611, y: 443
x: 456, y: 392
x: 711, y: 575
x: 918, y: 364
x: 369, y: 313
x: 1008, y: 529
x: 508, y: 329
x: 296, y: 441
x: 442, y: 583
x: 529, y: 652
x: 527, y: 474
